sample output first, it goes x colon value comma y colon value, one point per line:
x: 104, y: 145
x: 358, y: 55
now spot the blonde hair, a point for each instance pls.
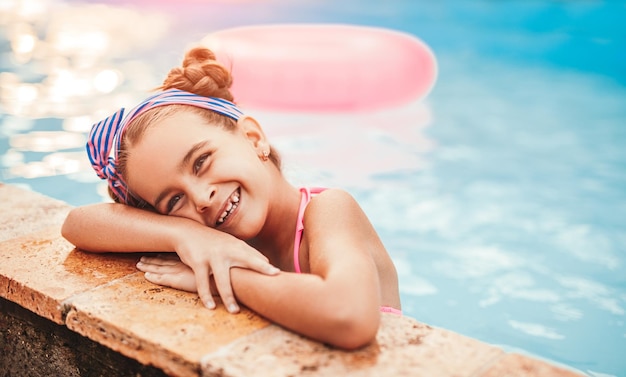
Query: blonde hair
x: 199, y: 74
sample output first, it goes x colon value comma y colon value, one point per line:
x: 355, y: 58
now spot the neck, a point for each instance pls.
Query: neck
x: 275, y: 240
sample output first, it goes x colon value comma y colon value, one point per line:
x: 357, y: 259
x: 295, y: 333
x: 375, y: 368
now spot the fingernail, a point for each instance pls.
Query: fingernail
x: 210, y: 305
x: 273, y: 270
x: 233, y: 308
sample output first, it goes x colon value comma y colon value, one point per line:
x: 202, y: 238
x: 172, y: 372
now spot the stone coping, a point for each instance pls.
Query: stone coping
x: 105, y: 298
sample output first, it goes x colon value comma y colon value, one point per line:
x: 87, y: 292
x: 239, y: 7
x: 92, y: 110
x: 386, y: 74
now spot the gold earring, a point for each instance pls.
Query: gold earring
x: 266, y: 155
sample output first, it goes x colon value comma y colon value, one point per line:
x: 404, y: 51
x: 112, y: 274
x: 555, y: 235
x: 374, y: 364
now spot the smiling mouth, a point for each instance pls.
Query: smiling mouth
x: 233, y: 202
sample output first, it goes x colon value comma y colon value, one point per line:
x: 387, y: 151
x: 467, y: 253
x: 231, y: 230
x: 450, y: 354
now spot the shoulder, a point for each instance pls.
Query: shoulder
x: 332, y: 197
x: 334, y: 208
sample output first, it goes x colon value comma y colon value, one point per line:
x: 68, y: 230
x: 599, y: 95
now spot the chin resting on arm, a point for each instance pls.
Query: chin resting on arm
x: 339, y: 301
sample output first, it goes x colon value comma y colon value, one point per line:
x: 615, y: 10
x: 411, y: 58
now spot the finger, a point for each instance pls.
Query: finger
x: 174, y: 280
x: 154, y: 264
x: 158, y: 278
x: 153, y: 277
x: 156, y: 268
x: 202, y: 282
x: 222, y: 281
x: 260, y: 265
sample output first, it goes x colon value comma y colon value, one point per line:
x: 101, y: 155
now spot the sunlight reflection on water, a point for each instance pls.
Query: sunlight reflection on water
x: 60, y: 55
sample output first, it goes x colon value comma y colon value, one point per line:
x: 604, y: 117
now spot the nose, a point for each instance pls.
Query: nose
x: 203, y: 197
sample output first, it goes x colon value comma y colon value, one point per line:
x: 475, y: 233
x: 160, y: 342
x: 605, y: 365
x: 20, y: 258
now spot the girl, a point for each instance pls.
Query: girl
x: 192, y: 174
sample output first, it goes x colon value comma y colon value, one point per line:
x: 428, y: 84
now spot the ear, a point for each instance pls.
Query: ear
x: 252, y: 131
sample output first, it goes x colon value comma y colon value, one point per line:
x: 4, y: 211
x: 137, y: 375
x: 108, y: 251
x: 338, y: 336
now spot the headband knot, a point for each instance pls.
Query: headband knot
x: 106, y: 136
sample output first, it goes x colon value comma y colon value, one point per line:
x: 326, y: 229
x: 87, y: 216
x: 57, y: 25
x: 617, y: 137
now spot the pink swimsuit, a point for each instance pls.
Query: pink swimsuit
x: 307, y: 194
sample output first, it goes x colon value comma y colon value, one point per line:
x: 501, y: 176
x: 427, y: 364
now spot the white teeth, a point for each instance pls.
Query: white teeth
x: 232, y: 204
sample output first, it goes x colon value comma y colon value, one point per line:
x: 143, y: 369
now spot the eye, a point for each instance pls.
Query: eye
x: 171, y: 204
x: 197, y: 165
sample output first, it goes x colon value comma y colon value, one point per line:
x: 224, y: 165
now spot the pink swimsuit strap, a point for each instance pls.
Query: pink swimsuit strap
x: 307, y: 194
x: 389, y: 309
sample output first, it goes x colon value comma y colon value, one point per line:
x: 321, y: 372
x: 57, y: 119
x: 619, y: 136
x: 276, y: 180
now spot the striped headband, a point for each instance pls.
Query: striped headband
x: 105, y: 137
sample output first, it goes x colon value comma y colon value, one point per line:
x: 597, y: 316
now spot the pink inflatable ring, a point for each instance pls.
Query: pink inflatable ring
x: 324, y: 67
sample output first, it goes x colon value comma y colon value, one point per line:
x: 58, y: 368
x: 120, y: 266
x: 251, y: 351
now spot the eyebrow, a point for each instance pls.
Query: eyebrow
x: 183, y: 164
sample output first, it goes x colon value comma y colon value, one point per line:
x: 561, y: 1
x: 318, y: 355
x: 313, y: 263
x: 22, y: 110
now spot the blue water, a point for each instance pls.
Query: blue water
x: 501, y: 196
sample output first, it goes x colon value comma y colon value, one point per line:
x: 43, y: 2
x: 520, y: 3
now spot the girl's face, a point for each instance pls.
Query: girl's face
x: 185, y: 167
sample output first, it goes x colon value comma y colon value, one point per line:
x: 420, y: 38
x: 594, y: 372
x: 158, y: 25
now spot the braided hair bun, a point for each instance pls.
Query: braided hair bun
x: 200, y: 74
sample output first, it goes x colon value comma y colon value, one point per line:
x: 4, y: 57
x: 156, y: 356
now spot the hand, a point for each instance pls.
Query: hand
x: 168, y: 270
x: 208, y: 251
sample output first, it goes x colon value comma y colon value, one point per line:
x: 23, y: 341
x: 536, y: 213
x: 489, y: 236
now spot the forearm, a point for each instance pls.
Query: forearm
x: 309, y: 305
x: 121, y: 228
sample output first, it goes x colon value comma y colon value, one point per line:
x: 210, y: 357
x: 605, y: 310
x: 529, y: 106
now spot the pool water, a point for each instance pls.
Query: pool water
x: 501, y: 196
